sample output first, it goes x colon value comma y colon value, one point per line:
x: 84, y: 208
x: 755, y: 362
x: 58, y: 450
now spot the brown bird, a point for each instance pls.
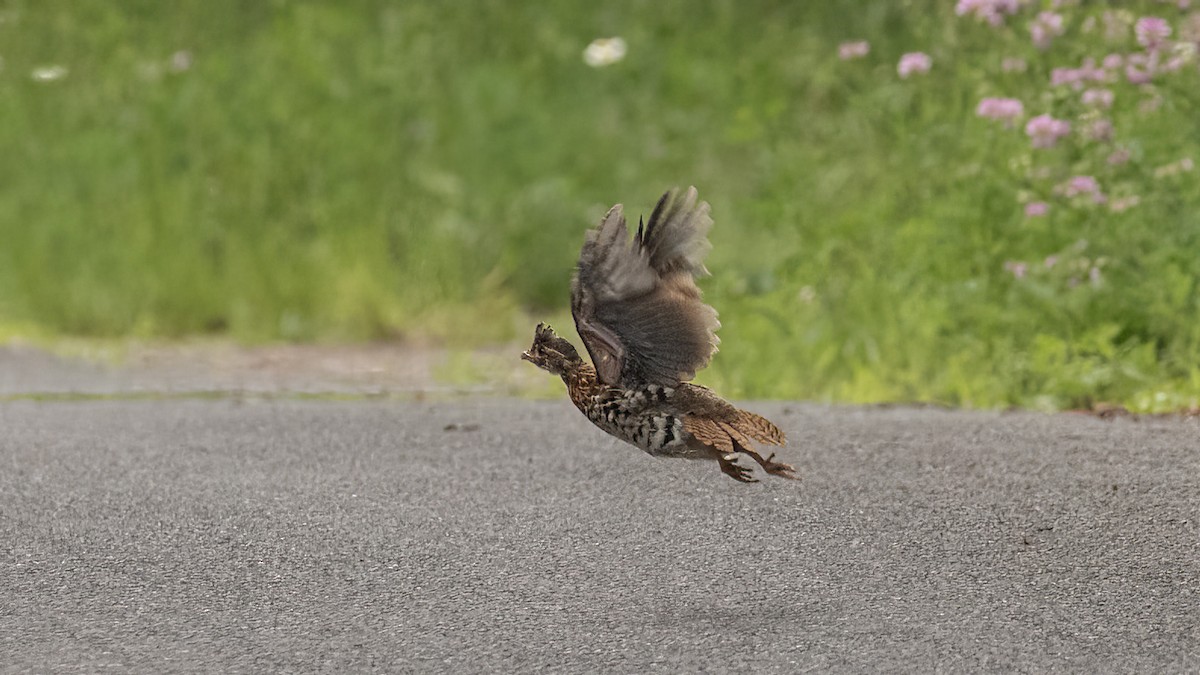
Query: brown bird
x: 647, y: 329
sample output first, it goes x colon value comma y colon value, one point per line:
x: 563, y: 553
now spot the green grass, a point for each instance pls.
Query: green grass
x: 369, y: 169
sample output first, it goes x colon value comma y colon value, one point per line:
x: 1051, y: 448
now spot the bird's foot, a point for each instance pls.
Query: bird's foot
x: 777, y: 468
x: 732, y: 469
x: 771, y: 466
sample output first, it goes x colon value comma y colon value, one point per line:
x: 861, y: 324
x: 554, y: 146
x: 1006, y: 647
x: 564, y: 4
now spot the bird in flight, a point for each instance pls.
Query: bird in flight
x: 642, y: 319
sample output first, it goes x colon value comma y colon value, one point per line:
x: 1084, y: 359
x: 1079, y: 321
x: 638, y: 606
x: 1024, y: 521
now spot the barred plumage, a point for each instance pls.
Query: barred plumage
x: 641, y: 317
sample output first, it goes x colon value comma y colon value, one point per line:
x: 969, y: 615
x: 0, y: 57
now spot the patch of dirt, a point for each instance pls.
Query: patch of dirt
x: 213, y: 366
x: 95, y: 368
x: 291, y: 367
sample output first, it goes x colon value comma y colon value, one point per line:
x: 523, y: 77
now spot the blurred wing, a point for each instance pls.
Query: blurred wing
x: 635, y: 302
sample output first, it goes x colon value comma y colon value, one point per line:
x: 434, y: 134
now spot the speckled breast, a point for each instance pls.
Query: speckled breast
x: 639, y: 417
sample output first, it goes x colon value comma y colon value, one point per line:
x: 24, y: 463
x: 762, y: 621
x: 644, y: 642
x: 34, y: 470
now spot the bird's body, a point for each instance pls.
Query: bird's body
x: 640, y: 417
x: 641, y: 317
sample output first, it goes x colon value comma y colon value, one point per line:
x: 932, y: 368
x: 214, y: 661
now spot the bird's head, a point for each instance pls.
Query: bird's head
x: 550, y: 352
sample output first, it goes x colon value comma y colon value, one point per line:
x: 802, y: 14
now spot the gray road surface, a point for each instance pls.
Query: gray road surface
x: 507, y: 536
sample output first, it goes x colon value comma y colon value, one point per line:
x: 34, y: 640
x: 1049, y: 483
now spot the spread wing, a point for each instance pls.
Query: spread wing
x: 635, y: 302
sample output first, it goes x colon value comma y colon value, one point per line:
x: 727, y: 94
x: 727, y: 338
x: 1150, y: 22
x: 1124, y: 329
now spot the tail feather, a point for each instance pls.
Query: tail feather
x: 708, y: 432
x: 736, y: 435
x: 759, y: 428
x: 726, y: 436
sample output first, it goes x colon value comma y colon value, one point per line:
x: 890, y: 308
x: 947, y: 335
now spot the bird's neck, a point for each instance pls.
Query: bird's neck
x: 581, y: 383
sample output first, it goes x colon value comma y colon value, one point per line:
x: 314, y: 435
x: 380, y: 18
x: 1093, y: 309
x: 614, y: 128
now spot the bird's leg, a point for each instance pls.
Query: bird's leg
x: 776, y: 468
x: 731, y: 468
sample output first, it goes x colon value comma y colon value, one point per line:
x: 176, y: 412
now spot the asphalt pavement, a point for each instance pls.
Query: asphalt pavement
x: 238, y: 534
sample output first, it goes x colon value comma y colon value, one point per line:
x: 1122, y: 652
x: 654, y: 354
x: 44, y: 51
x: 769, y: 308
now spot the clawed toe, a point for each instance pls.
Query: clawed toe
x: 778, y: 468
x: 735, y: 471
x: 731, y: 468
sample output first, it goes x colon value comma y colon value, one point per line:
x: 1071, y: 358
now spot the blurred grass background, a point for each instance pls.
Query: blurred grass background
x: 360, y: 170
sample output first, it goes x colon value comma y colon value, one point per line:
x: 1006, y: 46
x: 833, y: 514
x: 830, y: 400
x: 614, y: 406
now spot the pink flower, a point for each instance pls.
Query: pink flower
x: 1113, y: 61
x: 1119, y: 156
x: 1066, y: 76
x: 1099, y: 130
x: 853, y: 50
x: 1179, y: 60
x: 1080, y: 185
x: 1017, y: 268
x: 992, y: 11
x: 1045, y: 28
x: 1045, y: 131
x: 1076, y: 77
x: 1140, y: 68
x: 1098, y: 98
x: 1083, y: 186
x: 1137, y: 75
x: 913, y: 62
x: 1093, y: 73
x: 1007, y: 110
x: 1035, y: 209
x: 1151, y: 32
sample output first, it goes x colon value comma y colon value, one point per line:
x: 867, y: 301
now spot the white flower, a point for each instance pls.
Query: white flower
x: 181, y: 61
x: 604, y: 52
x: 48, y: 73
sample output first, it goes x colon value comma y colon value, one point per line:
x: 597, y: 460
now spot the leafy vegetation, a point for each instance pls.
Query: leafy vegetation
x: 369, y: 169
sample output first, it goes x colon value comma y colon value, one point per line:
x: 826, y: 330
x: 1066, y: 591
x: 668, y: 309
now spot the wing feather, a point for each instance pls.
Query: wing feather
x: 635, y: 301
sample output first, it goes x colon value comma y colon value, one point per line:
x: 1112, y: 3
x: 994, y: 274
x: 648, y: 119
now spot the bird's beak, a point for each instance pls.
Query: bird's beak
x: 527, y: 356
